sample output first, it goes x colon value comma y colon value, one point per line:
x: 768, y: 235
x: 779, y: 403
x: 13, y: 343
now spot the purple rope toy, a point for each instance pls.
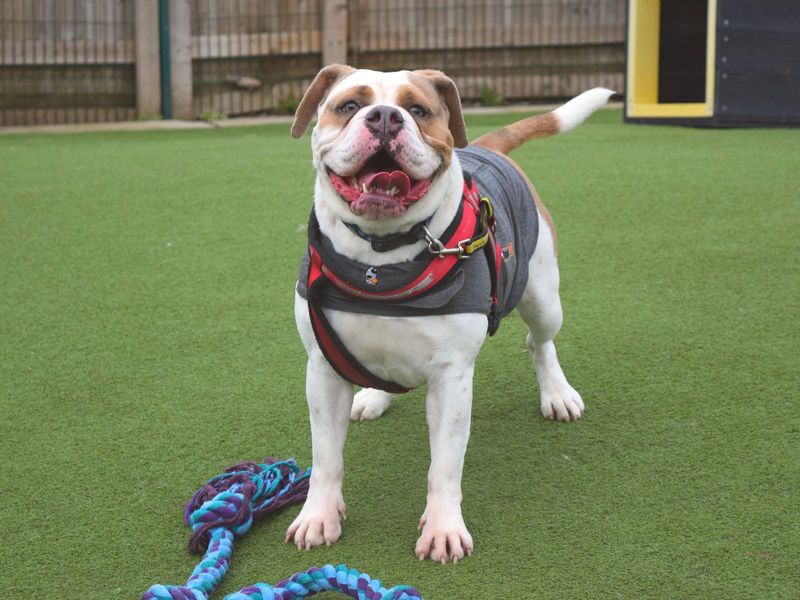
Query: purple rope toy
x: 225, y: 508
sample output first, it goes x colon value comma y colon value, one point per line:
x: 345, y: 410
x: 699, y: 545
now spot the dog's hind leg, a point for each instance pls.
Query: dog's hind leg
x: 369, y: 404
x: 540, y: 308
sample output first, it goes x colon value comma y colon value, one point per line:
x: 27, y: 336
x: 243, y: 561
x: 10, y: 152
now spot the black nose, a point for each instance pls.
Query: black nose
x: 384, y: 122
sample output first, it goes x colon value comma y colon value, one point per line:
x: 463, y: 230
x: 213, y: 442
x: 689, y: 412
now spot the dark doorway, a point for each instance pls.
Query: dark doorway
x: 682, y: 51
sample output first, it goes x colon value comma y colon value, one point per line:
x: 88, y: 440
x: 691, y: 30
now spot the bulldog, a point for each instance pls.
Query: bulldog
x: 399, y: 203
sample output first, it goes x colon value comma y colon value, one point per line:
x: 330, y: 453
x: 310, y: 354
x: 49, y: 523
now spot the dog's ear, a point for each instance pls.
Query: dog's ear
x: 314, y: 96
x: 448, y: 92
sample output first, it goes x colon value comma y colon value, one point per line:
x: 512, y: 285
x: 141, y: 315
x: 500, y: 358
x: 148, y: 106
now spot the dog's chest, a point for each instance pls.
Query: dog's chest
x: 407, y: 350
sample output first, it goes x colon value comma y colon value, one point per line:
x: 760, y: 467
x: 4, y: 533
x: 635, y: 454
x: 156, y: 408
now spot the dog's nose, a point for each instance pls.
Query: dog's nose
x: 384, y: 121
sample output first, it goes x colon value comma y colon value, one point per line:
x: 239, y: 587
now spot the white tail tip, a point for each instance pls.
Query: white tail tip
x: 575, y: 112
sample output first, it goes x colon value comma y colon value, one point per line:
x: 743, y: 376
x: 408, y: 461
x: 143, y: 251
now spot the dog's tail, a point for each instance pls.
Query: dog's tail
x: 565, y: 118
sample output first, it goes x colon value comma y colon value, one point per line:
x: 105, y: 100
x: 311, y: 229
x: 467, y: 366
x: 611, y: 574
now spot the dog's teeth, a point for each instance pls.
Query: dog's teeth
x: 393, y: 190
x: 364, y: 187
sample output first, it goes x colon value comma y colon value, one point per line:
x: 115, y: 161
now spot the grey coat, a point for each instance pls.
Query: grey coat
x: 468, y: 289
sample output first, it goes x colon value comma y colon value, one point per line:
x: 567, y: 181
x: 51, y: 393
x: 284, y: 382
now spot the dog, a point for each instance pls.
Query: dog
x: 390, y: 194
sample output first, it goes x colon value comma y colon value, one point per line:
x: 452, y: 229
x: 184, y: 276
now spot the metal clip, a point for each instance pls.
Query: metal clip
x: 435, y: 246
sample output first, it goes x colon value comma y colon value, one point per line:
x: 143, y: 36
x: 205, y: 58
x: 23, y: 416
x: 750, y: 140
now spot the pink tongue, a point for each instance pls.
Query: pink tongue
x: 386, y: 181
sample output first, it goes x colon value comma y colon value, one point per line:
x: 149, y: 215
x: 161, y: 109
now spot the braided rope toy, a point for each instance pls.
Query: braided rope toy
x: 225, y: 508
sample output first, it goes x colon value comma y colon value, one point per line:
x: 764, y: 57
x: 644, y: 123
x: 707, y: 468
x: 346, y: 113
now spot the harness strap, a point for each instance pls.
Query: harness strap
x: 339, y: 357
x: 472, y: 230
x: 387, y: 243
x: 486, y: 240
x: 435, y: 271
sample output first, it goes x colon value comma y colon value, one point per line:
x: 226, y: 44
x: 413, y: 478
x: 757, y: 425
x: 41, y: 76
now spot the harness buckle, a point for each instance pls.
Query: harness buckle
x: 437, y: 248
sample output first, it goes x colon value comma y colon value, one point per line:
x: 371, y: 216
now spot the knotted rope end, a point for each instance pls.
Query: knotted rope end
x: 243, y: 493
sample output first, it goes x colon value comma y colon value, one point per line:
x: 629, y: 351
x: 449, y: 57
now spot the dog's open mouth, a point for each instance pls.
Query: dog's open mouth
x: 381, y: 189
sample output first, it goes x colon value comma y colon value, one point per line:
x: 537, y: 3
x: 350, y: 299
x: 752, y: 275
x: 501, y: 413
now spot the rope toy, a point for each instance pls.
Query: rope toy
x: 225, y: 508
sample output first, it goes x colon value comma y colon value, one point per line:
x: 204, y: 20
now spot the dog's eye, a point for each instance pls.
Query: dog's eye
x: 349, y: 106
x: 418, y: 111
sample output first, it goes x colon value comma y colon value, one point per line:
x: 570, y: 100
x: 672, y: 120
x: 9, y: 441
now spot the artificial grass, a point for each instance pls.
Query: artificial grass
x: 148, y: 342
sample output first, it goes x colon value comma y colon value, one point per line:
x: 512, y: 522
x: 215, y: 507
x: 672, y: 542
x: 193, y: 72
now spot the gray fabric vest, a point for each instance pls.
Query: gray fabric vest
x: 468, y: 290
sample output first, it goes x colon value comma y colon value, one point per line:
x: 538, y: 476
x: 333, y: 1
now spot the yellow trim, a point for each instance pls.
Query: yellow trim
x: 711, y: 55
x: 476, y: 244
x: 643, y: 40
x: 486, y: 220
x: 643, y: 46
x: 672, y: 109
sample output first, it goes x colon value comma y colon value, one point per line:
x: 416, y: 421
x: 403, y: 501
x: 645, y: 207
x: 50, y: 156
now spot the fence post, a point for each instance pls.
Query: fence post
x: 334, y: 32
x: 180, y: 45
x: 148, y: 68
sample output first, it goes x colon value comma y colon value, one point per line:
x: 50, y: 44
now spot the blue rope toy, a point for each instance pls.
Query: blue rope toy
x: 225, y: 508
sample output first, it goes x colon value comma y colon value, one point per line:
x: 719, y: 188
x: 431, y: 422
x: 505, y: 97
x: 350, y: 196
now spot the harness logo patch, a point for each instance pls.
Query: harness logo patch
x: 371, y: 276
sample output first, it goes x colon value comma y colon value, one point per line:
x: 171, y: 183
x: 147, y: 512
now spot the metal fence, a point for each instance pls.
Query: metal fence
x: 64, y: 61
x: 76, y: 60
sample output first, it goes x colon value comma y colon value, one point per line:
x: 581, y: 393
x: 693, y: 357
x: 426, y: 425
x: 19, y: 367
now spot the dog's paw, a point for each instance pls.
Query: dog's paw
x: 444, y: 537
x: 369, y: 404
x: 562, y: 403
x: 317, y: 524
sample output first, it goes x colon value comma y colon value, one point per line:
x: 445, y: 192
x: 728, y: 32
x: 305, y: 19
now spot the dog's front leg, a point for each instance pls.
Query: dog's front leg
x: 329, y: 400
x: 448, y: 405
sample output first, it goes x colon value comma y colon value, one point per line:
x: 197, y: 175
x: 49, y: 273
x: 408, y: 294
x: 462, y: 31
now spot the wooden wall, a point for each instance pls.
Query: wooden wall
x: 74, y: 60
x: 518, y: 49
x: 275, y: 43
x: 66, y: 61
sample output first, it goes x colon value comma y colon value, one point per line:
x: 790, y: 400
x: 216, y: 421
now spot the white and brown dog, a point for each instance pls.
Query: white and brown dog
x: 383, y: 148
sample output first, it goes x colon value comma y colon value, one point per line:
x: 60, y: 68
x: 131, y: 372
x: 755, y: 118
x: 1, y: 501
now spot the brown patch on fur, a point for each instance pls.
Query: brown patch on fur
x: 362, y: 94
x: 445, y: 89
x: 512, y: 136
x: 314, y: 96
x: 434, y: 127
x: 425, y: 96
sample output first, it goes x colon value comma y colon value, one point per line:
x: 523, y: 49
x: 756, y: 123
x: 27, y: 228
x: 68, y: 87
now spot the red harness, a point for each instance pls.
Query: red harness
x: 475, y: 230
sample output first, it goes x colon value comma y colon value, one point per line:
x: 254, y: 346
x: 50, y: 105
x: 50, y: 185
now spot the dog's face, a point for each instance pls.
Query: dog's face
x: 382, y: 142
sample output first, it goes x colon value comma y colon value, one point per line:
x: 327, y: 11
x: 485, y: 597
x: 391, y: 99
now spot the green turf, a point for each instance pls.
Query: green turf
x: 147, y: 341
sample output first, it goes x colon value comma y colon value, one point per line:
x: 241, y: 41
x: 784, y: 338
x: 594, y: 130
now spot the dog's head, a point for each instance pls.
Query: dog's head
x: 382, y: 142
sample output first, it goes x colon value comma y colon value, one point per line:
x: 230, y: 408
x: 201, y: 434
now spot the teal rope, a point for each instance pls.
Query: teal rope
x: 341, y: 579
x: 225, y: 508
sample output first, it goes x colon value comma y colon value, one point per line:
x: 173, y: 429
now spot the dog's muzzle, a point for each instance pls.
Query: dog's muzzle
x: 381, y: 188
